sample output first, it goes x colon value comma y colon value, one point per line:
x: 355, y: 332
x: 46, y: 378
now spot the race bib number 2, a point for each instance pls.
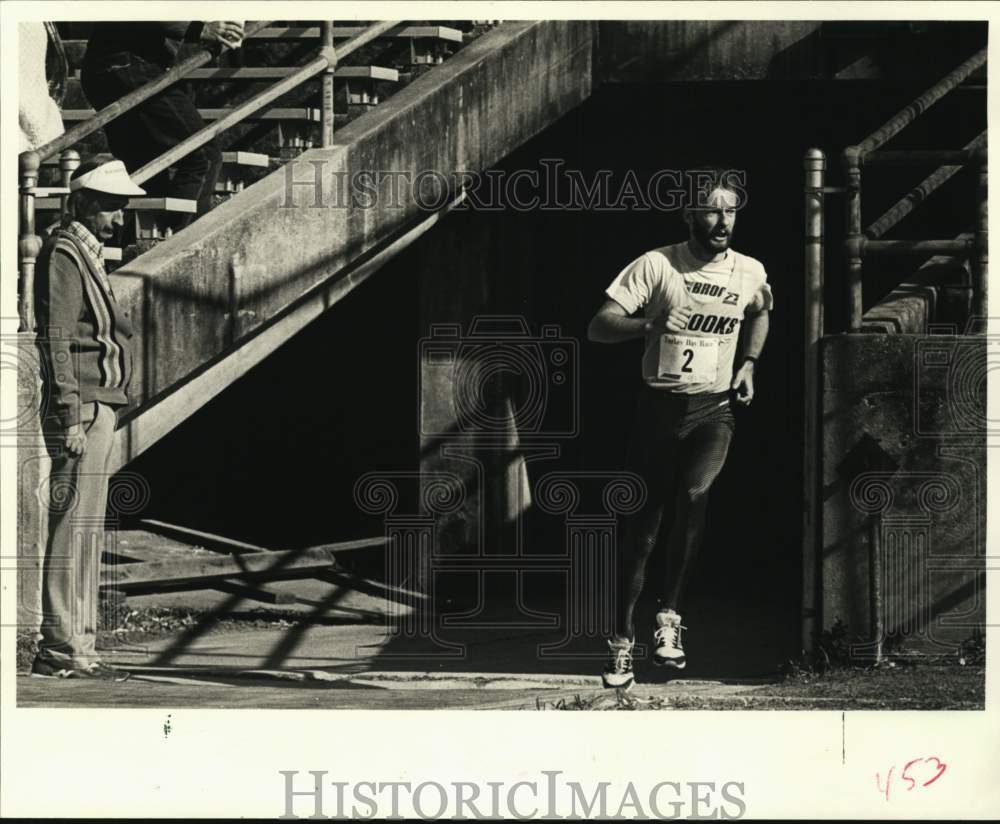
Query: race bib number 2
x: 689, y: 359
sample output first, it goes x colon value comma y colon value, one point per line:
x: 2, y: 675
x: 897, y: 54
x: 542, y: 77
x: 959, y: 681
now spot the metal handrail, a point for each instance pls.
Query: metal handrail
x: 325, y: 60
x: 857, y: 243
x: 895, y: 213
x: 29, y: 162
x: 895, y: 124
x: 134, y: 98
x: 856, y: 246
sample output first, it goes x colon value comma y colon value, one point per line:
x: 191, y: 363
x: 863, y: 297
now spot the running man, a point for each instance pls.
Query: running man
x: 689, y: 301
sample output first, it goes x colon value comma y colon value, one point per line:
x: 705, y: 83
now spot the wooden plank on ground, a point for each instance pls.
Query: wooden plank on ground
x: 369, y: 587
x: 260, y: 592
x: 203, y: 572
x: 208, y: 540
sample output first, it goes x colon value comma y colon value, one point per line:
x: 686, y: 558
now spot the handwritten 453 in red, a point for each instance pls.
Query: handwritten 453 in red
x: 920, y: 772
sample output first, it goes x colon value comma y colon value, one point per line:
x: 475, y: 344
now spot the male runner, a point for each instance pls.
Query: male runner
x: 689, y: 302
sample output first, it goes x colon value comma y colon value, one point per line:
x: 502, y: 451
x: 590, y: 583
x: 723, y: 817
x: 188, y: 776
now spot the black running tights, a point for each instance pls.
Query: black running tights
x: 678, y: 447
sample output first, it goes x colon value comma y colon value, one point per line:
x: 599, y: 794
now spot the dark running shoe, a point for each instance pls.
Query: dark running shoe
x: 96, y: 671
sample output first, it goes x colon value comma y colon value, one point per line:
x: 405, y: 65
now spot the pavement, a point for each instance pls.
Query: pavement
x: 505, y: 662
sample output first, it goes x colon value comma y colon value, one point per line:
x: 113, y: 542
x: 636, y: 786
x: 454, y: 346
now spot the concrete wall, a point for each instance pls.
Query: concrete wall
x: 904, y: 462
x: 226, y: 274
x: 657, y: 51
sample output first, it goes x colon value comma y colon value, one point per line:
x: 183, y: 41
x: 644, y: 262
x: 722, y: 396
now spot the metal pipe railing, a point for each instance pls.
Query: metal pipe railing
x: 888, y: 248
x: 919, y: 157
x: 814, y: 164
x: 854, y: 242
x: 858, y: 243
x: 134, y: 98
x: 326, y: 137
x: 327, y: 58
x: 894, y: 125
x: 29, y: 243
x: 980, y: 250
x: 895, y: 213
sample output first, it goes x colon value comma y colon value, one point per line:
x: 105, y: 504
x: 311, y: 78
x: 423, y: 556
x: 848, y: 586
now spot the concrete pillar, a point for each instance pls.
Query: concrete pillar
x: 32, y: 482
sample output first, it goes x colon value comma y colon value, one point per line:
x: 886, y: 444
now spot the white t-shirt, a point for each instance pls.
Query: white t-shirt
x: 698, y: 360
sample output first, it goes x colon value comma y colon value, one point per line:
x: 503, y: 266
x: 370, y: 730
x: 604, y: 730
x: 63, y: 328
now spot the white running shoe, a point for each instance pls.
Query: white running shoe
x: 618, y: 673
x: 668, y: 649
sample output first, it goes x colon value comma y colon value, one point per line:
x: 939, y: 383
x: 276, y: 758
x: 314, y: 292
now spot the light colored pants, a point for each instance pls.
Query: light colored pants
x: 78, y: 497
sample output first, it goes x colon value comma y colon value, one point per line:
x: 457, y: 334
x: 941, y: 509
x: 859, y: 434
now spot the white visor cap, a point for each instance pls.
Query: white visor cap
x: 110, y: 178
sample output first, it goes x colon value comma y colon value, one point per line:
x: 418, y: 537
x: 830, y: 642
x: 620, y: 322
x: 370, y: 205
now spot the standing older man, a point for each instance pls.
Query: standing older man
x: 84, y: 337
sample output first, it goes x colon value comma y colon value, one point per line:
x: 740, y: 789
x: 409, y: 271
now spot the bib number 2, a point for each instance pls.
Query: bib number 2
x: 688, y: 359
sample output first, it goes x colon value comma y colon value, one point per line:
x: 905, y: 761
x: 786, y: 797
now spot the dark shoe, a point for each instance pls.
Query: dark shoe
x: 96, y: 671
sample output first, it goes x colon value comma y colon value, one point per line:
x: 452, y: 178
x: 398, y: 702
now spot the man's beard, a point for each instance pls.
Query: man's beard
x: 709, y: 240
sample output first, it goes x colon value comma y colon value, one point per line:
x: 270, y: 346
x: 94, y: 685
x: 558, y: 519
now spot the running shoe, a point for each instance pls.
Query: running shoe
x: 668, y: 649
x: 618, y: 673
x: 96, y: 671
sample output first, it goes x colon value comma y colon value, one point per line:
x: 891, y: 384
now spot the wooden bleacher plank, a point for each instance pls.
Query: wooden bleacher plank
x: 310, y: 32
x: 144, y: 204
x: 246, y: 159
x: 304, y: 114
x: 277, y: 72
x: 163, y: 204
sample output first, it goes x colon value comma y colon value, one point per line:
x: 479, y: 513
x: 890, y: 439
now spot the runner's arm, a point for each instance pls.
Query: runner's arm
x: 757, y: 328
x: 612, y: 323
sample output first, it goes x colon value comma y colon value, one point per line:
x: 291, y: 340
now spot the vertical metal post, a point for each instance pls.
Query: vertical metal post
x: 69, y: 162
x: 29, y: 244
x: 980, y: 250
x: 814, y: 165
x: 326, y: 138
x: 854, y: 243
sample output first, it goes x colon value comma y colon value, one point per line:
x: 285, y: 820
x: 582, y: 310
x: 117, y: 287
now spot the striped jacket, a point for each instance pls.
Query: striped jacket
x: 83, y: 333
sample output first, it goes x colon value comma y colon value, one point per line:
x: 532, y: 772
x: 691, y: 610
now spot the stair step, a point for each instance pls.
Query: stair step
x: 137, y: 204
x: 277, y: 72
x: 77, y: 48
x: 301, y: 114
x: 313, y: 32
x: 246, y: 159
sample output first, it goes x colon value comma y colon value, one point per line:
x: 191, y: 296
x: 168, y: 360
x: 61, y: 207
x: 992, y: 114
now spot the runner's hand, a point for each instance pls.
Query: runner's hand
x: 677, y: 318
x: 743, y: 384
x: 76, y: 440
x: 227, y: 32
